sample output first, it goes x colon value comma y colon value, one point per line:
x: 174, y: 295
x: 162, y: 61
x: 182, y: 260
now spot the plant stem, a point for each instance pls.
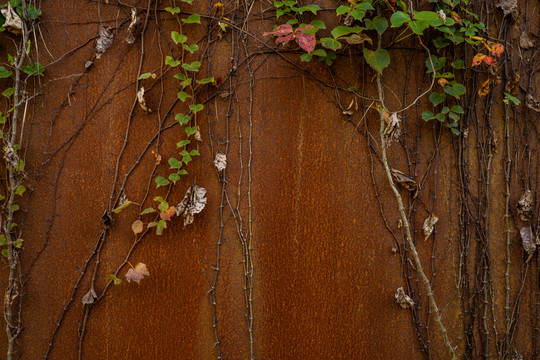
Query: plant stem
x: 405, y: 220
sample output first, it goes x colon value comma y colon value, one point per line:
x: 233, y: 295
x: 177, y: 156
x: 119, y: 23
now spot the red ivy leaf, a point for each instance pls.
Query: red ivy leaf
x: 167, y: 214
x: 305, y: 27
x: 490, y: 61
x: 306, y: 41
x: 138, y: 273
x: 478, y: 58
x: 281, y: 30
x: 283, y: 39
x: 497, y: 49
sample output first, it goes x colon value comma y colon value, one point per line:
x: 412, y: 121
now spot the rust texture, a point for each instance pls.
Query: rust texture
x: 300, y: 202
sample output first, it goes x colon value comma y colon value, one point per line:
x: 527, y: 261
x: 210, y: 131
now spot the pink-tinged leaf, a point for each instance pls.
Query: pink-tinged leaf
x: 497, y: 49
x: 283, y: 39
x: 490, y: 61
x: 167, y: 214
x: 137, y: 227
x: 306, y: 41
x: 281, y: 30
x: 138, y: 273
x: 305, y: 27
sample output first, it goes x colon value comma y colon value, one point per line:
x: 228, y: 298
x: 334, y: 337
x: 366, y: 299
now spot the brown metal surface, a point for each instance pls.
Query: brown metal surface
x: 324, y: 270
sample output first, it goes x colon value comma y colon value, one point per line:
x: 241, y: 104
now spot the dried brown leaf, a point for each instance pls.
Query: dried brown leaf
x: 525, y: 40
x: 532, y: 103
x: 104, y: 41
x: 393, y: 128
x: 403, y: 180
x: 429, y: 225
x: 138, y: 273
x: 137, y: 227
x: 525, y: 206
x: 403, y: 299
x: 508, y: 6
x: 193, y: 203
x: 528, y: 239
x: 90, y: 297
x: 220, y: 161
x: 142, y: 101
x: 134, y: 27
x: 13, y: 22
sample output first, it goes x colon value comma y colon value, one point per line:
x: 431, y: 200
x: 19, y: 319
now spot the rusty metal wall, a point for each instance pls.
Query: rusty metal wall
x: 325, y: 265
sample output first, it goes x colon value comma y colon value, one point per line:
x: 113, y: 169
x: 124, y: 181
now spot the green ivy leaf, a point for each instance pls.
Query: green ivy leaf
x: 178, y: 38
x: 175, y: 10
x: 174, y: 177
x: 306, y: 57
x: 399, y: 18
x: 319, y: 24
x: 20, y: 165
x: 190, y: 2
x: 147, y: 75
x: 320, y: 52
x: 343, y: 9
x: 453, y: 116
x: 458, y: 109
x: 174, y: 163
x: 438, y: 63
x: 186, y: 82
x: 194, y: 66
x: 191, y: 130
x: 163, y: 206
x: 194, y: 153
x: 171, y: 62
x: 180, y: 76
x: 191, y: 48
x: 344, y: 30
x: 440, y: 117
x: 357, y: 14
x: 33, y: 69
x: 428, y: 115
x: 161, y: 181
x: 310, y: 7
x: 183, y: 143
x: 114, y: 279
x: 182, y: 172
x: 4, y: 73
x: 196, y: 108
x: 365, y: 5
x: 160, y: 226
x: 455, y: 90
x: 182, y: 95
x: 192, y: 19
x: 148, y: 211
x: 458, y: 64
x: 330, y: 43
x: 182, y: 119
x: 378, y: 59
x: 20, y: 190
x: 208, y: 80
x: 437, y: 98
x: 377, y: 23
x: 430, y: 17
x: 418, y: 27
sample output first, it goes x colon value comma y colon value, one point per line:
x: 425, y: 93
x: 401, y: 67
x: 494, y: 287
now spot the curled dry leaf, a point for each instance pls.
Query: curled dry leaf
x: 197, y: 136
x: 429, y: 225
x: 193, y: 203
x: 507, y: 6
x: 484, y: 88
x: 525, y: 40
x: 137, y: 227
x: 528, y: 240
x: 138, y: 273
x: 11, y: 155
x: 532, y: 103
x: 517, y: 356
x: 393, y: 128
x: 525, y: 206
x: 403, y: 180
x: 220, y: 161
x: 134, y: 27
x: 142, y: 101
x: 104, y: 41
x: 403, y: 299
x: 90, y: 297
x: 13, y: 22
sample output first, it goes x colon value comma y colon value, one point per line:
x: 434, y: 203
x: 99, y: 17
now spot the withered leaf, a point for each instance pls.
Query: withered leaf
x: 193, y: 203
x: 528, y: 239
x: 104, y: 41
x: 403, y: 299
x: 90, y: 297
x: 429, y: 225
x: 532, y: 103
x: 167, y: 214
x: 13, y: 22
x: 142, y: 101
x: 134, y: 27
x: 220, y: 161
x: 507, y: 6
x: 525, y: 206
x: 403, y: 180
x: 525, y: 40
x: 138, y: 273
x: 484, y: 88
x: 137, y: 227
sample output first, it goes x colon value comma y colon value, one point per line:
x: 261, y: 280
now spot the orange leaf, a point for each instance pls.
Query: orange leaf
x: 167, y: 214
x: 490, y: 61
x: 442, y: 82
x: 497, y: 49
x: 484, y: 88
x: 478, y: 58
x: 456, y: 17
x: 137, y: 227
